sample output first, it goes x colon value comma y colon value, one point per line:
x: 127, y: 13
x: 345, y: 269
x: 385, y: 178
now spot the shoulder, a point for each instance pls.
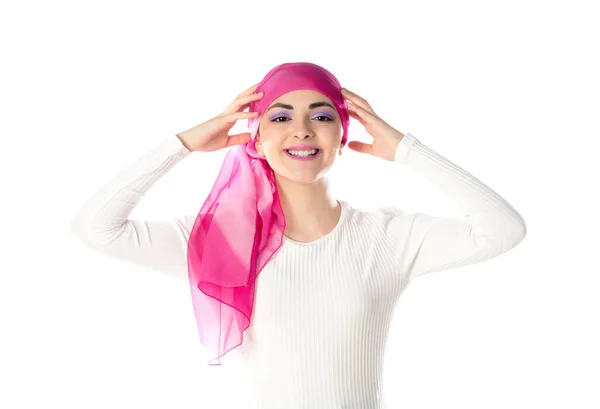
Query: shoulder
x: 381, y: 214
x: 388, y: 220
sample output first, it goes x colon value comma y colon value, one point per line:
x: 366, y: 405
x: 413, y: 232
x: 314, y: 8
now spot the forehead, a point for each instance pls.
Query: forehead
x: 302, y: 95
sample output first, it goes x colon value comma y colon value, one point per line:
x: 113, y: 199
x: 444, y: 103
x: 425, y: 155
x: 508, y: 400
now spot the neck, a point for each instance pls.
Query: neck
x: 310, y: 210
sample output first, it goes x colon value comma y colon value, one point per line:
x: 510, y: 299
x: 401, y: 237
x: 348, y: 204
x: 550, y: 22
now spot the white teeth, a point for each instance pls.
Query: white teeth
x: 303, y: 153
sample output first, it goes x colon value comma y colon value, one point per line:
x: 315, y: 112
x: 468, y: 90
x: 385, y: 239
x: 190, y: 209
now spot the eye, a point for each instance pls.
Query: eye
x: 327, y: 119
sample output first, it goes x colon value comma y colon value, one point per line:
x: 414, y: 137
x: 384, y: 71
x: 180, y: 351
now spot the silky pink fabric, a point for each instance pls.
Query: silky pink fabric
x: 241, y: 224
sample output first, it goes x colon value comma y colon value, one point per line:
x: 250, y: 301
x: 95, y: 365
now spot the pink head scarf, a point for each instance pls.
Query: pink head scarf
x: 241, y: 224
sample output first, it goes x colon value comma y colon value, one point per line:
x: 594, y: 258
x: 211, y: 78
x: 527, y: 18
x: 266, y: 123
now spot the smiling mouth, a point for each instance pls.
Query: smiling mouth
x: 313, y: 152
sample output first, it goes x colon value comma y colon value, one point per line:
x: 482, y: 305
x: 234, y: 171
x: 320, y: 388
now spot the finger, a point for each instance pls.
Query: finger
x: 242, y: 102
x: 247, y: 99
x: 249, y: 90
x: 239, y: 139
x: 361, y: 147
x: 358, y: 118
x: 358, y: 100
x: 362, y: 114
x: 236, y: 116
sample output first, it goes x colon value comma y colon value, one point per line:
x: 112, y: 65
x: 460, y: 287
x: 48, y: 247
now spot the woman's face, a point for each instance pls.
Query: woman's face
x: 298, y: 124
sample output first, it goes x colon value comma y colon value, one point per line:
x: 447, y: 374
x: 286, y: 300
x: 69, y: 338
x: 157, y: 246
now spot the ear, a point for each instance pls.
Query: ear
x: 258, y: 145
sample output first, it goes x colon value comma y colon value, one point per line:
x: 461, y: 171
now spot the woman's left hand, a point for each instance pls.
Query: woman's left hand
x: 386, y: 138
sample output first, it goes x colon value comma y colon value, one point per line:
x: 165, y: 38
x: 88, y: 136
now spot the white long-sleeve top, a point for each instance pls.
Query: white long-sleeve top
x: 322, y: 309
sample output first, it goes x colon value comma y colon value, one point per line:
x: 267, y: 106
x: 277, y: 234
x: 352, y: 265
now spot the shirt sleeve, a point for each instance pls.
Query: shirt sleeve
x: 427, y: 243
x: 103, y: 222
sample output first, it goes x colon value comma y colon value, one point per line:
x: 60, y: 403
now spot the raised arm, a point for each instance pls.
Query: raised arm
x: 103, y: 222
x: 490, y: 226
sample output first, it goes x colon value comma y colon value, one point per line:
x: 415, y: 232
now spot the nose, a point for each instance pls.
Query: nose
x: 304, y: 131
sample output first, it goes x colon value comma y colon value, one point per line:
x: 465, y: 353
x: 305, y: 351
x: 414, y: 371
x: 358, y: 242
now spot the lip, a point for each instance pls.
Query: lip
x: 303, y: 159
x: 302, y: 147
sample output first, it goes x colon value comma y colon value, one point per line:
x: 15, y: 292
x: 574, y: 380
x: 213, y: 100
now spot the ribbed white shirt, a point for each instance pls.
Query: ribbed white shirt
x: 322, y: 309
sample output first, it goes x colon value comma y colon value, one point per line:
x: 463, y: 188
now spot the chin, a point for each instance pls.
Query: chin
x: 300, y: 172
x: 306, y: 177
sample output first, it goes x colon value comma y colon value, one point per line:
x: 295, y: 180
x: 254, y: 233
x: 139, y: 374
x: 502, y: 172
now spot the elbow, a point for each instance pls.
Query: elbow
x: 78, y: 227
x: 93, y: 231
x: 505, y: 238
x: 510, y: 236
x: 522, y: 230
x: 518, y: 231
x: 519, y: 234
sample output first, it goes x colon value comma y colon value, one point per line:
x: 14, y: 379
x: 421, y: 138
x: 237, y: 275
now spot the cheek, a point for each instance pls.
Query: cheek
x: 270, y: 149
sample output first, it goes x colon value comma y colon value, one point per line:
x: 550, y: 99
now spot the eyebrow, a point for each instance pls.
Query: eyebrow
x: 311, y: 106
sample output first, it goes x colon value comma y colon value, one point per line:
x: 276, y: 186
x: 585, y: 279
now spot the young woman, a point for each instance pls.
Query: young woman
x: 303, y: 283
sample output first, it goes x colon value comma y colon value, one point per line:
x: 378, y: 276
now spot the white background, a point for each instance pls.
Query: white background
x: 506, y: 90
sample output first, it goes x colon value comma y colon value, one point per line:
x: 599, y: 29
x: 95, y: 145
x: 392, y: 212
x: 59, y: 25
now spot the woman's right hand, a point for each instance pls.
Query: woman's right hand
x: 212, y: 135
